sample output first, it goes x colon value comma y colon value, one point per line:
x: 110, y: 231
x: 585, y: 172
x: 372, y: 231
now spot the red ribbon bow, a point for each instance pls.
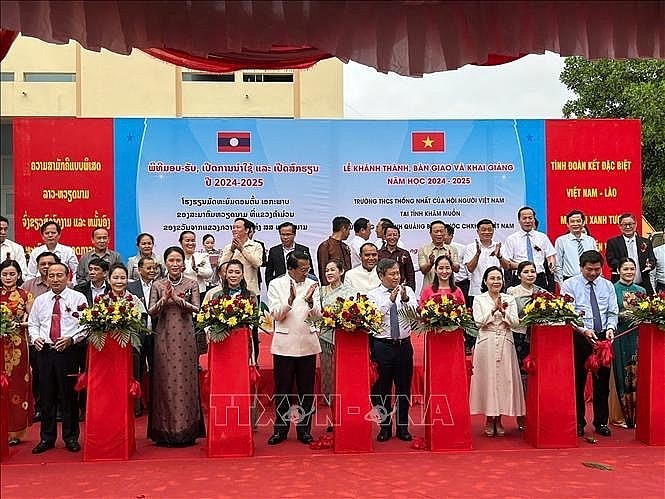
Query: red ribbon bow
x: 600, y: 357
x: 81, y: 382
x: 135, y: 389
x: 529, y: 364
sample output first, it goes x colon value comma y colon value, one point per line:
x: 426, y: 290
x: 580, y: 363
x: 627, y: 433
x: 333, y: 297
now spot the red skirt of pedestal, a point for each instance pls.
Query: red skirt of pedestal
x: 109, y: 415
x: 4, y: 418
x: 650, y: 420
x: 447, y: 415
x: 352, y: 405
x: 230, y: 416
x: 551, y: 420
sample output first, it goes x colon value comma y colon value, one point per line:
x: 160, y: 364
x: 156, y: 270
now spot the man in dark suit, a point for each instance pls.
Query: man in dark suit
x: 276, y: 264
x: 630, y: 244
x: 96, y: 285
x: 141, y: 288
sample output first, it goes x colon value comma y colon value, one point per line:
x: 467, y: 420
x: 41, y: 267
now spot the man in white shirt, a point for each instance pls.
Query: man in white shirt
x: 50, y: 232
x: 659, y: 274
x: 480, y: 255
x: 392, y: 351
x: 462, y: 275
x: 570, y: 247
x: 528, y: 244
x: 364, y: 278
x: 9, y: 250
x: 54, y: 329
x: 428, y: 254
x: 363, y: 230
x: 292, y: 299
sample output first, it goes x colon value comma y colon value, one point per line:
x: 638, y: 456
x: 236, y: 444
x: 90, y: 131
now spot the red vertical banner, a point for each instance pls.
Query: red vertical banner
x: 63, y: 170
x: 594, y: 166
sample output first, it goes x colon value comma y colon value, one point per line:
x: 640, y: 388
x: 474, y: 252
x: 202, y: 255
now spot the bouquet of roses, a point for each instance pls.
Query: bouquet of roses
x: 221, y: 315
x: 7, y: 324
x: 356, y: 313
x: 440, y: 313
x: 112, y: 316
x: 644, y: 308
x: 547, y: 308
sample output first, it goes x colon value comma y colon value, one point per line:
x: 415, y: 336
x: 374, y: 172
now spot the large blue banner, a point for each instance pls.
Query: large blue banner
x: 199, y: 174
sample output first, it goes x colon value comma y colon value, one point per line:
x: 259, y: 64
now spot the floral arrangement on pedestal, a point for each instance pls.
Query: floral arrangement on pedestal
x: 548, y: 308
x: 439, y: 314
x: 642, y: 308
x: 112, y: 316
x: 220, y: 316
x: 356, y: 313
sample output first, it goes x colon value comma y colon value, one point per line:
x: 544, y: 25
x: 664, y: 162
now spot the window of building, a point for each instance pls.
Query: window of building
x: 267, y: 77
x: 228, y: 77
x: 49, y: 77
x: 6, y: 76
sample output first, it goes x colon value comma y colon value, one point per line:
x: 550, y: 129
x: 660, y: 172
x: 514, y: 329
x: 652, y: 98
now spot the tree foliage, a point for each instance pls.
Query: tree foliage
x: 632, y: 88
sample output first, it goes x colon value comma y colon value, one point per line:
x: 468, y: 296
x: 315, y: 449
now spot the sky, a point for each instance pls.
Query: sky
x: 526, y: 88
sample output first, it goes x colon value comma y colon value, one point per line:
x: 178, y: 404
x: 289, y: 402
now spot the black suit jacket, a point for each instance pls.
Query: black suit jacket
x: 86, y: 289
x: 276, y: 265
x: 616, y: 250
x: 136, y: 288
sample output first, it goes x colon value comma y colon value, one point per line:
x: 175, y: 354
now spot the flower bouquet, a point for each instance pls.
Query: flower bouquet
x: 112, y: 316
x: 221, y: 315
x: 644, y: 308
x: 7, y: 324
x: 356, y: 313
x: 439, y: 314
x: 547, y: 308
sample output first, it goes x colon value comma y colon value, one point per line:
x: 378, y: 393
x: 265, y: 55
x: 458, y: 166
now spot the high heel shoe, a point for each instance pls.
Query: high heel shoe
x: 498, y: 428
x: 489, y: 426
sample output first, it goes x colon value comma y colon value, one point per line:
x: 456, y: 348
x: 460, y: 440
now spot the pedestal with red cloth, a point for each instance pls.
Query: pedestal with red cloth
x: 352, y: 405
x: 4, y: 416
x: 447, y: 415
x: 230, y: 417
x: 109, y: 421
x: 551, y: 420
x: 650, y: 419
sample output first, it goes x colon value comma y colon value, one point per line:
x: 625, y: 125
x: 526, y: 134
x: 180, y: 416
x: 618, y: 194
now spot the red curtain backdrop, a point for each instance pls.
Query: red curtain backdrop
x: 408, y: 37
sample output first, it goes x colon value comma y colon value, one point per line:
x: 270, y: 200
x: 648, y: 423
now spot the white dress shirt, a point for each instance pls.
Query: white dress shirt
x: 463, y: 272
x: 659, y: 274
x: 486, y: 259
x: 361, y: 279
x: 39, y: 320
x: 14, y: 251
x: 65, y: 253
x: 631, y: 246
x: 380, y: 296
x: 202, y: 263
x: 515, y: 248
x: 293, y: 337
x: 568, y: 255
x: 355, y: 243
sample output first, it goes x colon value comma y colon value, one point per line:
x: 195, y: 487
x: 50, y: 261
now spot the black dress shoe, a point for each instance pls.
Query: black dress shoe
x: 138, y: 413
x: 276, y: 438
x: 384, y: 436
x: 603, y: 430
x: 580, y: 430
x: 43, y: 446
x: 305, y: 438
x: 72, y: 446
x: 404, y: 435
x: 37, y: 417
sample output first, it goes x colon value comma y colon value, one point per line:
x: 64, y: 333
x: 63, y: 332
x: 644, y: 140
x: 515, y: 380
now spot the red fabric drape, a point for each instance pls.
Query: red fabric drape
x: 7, y: 37
x: 276, y: 58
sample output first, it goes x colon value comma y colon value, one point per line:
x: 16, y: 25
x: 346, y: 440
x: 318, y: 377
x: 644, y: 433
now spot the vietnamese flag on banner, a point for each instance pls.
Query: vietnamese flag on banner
x: 427, y: 142
x: 234, y: 142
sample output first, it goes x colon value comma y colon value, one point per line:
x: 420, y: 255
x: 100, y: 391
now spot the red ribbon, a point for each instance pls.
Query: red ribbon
x: 254, y: 376
x: 600, y: 357
x: 135, y: 389
x: 324, y: 442
x: 81, y: 382
x: 529, y: 364
x: 419, y: 443
x: 469, y: 366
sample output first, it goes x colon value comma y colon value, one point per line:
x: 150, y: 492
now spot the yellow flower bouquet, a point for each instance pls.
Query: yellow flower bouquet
x: 439, y: 314
x: 356, y: 313
x: 642, y: 308
x: 7, y: 322
x: 112, y: 316
x: 221, y: 315
x: 547, y: 308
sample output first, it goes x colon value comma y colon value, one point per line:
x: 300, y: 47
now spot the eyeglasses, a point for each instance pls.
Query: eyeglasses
x: 304, y: 269
x: 627, y: 224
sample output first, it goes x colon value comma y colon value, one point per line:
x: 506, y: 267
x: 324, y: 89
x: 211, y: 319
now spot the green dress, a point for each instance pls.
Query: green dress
x: 625, y: 357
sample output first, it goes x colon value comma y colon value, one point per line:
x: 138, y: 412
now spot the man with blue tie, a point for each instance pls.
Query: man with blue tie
x: 595, y: 297
x: 570, y: 247
x: 392, y: 351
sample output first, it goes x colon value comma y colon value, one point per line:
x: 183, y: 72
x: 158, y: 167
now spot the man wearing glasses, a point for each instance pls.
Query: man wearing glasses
x: 630, y: 244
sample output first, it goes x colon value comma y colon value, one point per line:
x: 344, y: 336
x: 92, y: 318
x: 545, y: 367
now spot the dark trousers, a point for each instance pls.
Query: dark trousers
x: 81, y: 349
x: 140, y: 358
x: 395, y: 366
x: 55, y: 383
x: 34, y: 365
x: 287, y: 370
x: 601, y: 384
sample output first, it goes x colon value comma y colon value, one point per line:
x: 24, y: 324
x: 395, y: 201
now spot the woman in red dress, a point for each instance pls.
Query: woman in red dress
x: 16, y: 364
x: 443, y: 283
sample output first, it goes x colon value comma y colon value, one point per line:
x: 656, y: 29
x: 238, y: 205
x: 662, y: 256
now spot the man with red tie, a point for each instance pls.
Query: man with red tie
x: 54, y: 328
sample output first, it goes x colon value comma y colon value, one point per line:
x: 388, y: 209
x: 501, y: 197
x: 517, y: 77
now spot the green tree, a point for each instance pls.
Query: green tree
x: 632, y: 88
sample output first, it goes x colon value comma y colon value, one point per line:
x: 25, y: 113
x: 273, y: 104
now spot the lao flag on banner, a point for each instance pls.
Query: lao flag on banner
x: 234, y: 142
x: 427, y: 142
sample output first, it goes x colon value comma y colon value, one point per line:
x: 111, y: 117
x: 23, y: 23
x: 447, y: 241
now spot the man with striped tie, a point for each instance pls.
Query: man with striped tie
x: 570, y: 247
